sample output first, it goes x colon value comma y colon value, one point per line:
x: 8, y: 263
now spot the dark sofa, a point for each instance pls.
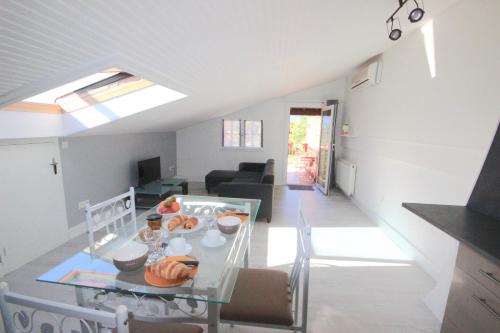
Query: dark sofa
x: 252, y: 180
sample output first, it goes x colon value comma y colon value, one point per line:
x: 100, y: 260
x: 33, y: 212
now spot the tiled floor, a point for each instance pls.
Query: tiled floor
x: 360, y: 281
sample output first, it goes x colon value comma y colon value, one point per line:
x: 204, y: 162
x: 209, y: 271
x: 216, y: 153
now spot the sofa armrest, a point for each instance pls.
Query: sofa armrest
x: 250, y: 166
x: 264, y: 192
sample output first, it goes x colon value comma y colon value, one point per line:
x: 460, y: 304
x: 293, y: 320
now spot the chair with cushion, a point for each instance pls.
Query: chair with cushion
x: 270, y: 298
x: 110, y: 215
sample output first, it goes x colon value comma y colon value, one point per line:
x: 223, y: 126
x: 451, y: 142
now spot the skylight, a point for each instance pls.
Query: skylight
x: 50, y: 96
x: 100, y: 98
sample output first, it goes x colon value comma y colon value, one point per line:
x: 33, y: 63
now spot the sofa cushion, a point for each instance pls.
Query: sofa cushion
x: 245, y: 180
x: 268, y: 174
x: 260, y: 296
x: 248, y: 174
x: 215, y: 177
x: 226, y: 174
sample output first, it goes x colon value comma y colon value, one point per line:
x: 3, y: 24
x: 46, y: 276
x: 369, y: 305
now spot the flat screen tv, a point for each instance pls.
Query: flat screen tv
x: 149, y: 170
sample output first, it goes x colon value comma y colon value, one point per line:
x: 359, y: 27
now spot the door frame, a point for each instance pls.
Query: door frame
x: 287, y: 106
x: 330, y: 159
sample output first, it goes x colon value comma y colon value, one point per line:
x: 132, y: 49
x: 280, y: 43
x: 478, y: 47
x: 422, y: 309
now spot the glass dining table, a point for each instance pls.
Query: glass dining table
x: 98, y: 283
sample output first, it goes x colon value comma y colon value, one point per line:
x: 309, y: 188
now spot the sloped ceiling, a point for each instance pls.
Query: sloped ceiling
x: 224, y: 54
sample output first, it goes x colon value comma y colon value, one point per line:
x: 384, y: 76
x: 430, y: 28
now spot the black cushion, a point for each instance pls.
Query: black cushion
x: 215, y: 177
x: 245, y: 180
x: 268, y: 174
x: 222, y: 173
x: 248, y: 174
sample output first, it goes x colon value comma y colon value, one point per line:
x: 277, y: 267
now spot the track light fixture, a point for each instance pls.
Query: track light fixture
x: 395, y: 32
x: 415, y: 15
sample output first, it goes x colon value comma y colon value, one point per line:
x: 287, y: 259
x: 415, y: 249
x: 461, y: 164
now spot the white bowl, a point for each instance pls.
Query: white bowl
x: 131, y: 257
x: 228, y: 224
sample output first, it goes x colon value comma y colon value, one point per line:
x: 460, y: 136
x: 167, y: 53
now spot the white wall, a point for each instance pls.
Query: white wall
x: 19, y: 125
x: 199, y: 147
x: 424, y: 140
x: 97, y: 168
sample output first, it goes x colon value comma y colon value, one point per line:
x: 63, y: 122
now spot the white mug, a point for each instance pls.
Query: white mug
x: 178, y: 245
x: 213, y: 236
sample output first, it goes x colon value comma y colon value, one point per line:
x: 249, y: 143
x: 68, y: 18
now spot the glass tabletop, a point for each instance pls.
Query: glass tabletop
x: 217, y: 270
x: 160, y: 187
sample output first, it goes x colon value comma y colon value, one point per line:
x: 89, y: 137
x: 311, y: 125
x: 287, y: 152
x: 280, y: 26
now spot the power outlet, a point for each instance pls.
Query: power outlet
x: 83, y: 204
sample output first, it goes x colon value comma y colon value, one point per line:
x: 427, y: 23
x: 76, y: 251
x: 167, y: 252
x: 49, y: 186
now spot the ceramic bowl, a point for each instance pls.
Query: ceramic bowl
x: 131, y: 257
x: 228, y: 224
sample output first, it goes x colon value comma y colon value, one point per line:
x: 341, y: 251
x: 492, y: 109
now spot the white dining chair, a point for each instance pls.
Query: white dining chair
x: 110, y: 215
x: 22, y: 313
x: 271, y: 298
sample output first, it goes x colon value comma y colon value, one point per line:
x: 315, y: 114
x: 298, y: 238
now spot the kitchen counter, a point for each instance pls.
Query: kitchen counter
x: 479, y: 231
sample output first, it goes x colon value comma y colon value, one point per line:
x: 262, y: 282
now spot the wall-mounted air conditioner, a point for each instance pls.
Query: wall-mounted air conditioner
x: 367, y: 75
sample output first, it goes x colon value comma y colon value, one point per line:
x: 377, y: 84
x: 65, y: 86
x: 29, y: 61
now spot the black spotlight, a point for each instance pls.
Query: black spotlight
x: 395, y: 34
x: 416, y: 15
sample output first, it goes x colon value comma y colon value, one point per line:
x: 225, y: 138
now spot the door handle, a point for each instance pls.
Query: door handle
x: 490, y: 276
x: 484, y: 303
x: 54, y: 165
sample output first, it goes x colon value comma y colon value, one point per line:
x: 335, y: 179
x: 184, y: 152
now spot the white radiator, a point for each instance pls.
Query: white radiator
x: 345, y: 176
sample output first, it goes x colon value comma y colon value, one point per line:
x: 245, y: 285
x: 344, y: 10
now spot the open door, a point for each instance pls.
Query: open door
x: 326, y: 156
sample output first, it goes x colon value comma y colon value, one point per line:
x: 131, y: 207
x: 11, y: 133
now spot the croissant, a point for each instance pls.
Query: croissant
x: 191, y: 223
x: 176, y: 221
x: 172, y: 270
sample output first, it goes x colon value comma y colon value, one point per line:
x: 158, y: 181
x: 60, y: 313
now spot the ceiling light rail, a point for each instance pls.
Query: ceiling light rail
x: 414, y: 15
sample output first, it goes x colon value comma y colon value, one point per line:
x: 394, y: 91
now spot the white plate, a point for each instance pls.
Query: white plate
x: 180, y: 230
x: 168, y: 251
x: 205, y: 242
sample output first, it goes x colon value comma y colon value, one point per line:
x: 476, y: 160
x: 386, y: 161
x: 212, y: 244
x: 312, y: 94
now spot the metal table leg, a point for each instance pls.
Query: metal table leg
x: 213, y: 311
x: 81, y: 301
x: 246, y: 258
x: 184, y: 188
x: 80, y: 298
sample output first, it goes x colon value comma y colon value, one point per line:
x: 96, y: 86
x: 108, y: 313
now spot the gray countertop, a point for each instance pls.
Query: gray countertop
x: 479, y: 231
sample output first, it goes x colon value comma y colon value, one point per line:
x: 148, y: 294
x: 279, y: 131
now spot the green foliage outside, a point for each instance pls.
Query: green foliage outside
x: 298, y: 133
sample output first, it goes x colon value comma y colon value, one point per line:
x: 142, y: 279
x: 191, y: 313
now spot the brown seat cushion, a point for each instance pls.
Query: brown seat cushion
x: 137, y: 326
x: 260, y: 296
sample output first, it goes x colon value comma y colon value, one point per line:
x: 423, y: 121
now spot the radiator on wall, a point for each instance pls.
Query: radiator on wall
x: 345, y: 176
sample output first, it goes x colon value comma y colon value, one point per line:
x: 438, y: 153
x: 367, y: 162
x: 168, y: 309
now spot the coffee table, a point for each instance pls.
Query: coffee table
x: 149, y: 195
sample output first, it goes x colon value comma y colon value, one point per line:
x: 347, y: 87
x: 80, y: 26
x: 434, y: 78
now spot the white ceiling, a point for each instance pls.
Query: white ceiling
x: 224, y: 54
